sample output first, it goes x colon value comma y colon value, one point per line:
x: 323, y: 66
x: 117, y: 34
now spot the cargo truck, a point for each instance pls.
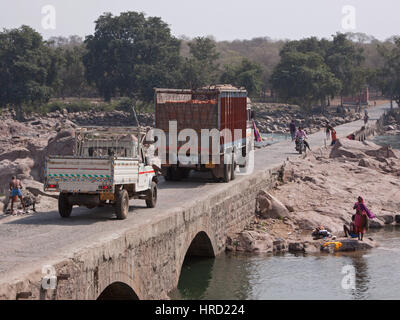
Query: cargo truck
x: 221, y: 108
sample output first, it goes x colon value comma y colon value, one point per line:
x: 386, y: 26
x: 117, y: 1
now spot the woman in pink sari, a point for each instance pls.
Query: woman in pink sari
x: 361, y: 219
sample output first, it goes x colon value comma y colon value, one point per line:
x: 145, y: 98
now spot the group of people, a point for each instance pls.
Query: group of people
x: 358, y: 226
x: 300, y: 133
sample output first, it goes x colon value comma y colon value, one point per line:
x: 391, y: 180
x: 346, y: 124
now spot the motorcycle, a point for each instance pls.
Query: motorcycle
x: 301, y: 146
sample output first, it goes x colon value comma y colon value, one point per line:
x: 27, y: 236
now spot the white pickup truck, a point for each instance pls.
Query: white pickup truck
x: 109, y: 167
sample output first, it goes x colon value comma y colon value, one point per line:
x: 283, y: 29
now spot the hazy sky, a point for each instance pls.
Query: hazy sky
x: 224, y: 19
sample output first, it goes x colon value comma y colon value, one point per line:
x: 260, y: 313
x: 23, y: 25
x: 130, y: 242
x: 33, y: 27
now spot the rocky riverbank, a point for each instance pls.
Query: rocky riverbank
x: 391, y: 123
x: 321, y: 190
x: 272, y: 118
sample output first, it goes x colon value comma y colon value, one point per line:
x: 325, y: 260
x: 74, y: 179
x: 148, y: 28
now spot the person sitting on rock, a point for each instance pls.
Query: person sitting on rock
x: 15, y: 188
x: 352, y: 230
x: 320, y: 232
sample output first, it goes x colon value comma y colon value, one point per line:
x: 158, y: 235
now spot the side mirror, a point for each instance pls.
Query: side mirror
x: 252, y: 115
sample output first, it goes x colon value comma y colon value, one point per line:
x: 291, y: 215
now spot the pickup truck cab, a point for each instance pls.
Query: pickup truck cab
x: 109, y: 167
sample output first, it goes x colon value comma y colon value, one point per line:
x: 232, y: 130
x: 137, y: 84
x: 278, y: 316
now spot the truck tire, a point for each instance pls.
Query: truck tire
x: 233, y: 173
x: 64, y: 208
x: 151, y: 203
x: 168, y: 175
x: 227, y: 173
x: 122, y: 205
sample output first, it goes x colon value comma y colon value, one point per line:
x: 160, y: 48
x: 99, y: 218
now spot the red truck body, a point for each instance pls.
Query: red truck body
x: 217, y: 107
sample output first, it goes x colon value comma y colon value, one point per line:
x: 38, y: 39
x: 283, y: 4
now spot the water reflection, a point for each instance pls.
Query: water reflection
x: 362, y: 278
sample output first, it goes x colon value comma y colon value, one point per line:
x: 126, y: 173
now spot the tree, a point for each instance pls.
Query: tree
x: 304, y: 79
x: 247, y: 74
x: 345, y: 61
x: 389, y: 75
x: 71, y: 79
x: 200, y: 68
x: 130, y: 54
x: 28, y: 68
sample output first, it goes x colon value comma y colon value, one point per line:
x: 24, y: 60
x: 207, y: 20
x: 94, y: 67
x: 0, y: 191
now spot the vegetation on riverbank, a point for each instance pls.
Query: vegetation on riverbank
x: 130, y: 54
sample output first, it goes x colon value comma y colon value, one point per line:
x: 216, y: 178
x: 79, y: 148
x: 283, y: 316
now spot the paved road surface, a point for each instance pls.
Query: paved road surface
x: 32, y: 241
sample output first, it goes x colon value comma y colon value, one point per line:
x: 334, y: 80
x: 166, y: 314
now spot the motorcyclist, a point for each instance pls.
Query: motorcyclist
x: 301, y: 135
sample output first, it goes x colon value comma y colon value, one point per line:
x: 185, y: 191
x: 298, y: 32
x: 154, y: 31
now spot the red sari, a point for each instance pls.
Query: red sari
x: 361, y: 219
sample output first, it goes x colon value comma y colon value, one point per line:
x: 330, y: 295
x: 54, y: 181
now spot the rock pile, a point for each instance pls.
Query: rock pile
x: 277, y: 120
x: 322, y: 190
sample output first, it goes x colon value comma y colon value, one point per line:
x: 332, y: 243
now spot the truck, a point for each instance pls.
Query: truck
x: 216, y: 107
x: 108, y: 167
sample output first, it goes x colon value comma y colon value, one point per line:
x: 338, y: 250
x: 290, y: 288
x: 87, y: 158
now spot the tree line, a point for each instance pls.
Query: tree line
x: 130, y: 54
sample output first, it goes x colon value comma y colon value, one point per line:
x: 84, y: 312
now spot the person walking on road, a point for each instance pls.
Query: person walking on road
x: 15, y: 188
x: 292, y: 127
x: 366, y: 117
x: 333, y: 134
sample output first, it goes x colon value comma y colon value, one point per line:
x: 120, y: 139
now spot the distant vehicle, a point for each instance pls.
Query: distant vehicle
x: 300, y: 146
x: 109, y: 167
x: 216, y: 107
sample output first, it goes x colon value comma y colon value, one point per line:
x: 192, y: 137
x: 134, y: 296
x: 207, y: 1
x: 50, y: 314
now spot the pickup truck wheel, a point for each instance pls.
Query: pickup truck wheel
x: 64, y: 208
x: 227, y: 172
x: 151, y: 203
x: 122, y: 205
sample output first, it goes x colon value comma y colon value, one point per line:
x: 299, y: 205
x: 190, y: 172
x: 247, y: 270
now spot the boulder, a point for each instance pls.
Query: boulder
x: 386, y: 218
x: 369, y: 163
x: 250, y: 241
x: 61, y: 145
x: 349, y: 245
x: 270, y: 207
x: 376, y: 223
x: 384, y: 152
x: 352, y: 149
x: 280, y: 245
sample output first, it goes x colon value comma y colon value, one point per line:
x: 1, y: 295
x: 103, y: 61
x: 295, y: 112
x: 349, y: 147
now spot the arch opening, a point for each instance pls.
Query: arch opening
x: 200, y: 247
x: 196, y: 269
x: 118, y: 291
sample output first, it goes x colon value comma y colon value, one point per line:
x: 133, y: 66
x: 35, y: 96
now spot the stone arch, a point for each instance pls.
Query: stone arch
x: 201, y: 246
x: 118, y: 291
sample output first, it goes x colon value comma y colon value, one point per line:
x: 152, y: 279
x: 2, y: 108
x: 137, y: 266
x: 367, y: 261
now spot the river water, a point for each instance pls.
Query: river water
x: 303, y: 276
x: 289, y: 276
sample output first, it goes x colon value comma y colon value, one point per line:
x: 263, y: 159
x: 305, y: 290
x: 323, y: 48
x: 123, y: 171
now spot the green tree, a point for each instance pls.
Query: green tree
x: 345, y: 61
x: 71, y: 76
x: 200, y: 68
x: 388, y: 77
x: 304, y: 79
x: 130, y: 54
x: 28, y: 68
x: 247, y: 74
